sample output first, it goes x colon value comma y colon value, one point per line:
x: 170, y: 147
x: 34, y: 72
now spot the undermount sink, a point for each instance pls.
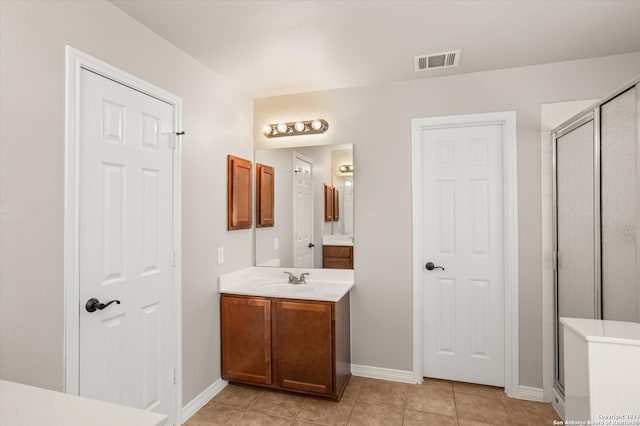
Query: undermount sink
x: 284, y: 287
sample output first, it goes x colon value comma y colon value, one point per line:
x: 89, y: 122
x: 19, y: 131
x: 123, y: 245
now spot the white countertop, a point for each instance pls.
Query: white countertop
x: 22, y: 405
x: 605, y: 331
x: 337, y: 240
x: 328, y: 285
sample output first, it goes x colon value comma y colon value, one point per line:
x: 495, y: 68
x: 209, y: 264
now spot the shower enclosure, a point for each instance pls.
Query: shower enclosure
x: 596, y: 182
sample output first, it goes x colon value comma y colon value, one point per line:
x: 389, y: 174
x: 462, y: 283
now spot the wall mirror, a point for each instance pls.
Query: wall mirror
x: 299, y: 227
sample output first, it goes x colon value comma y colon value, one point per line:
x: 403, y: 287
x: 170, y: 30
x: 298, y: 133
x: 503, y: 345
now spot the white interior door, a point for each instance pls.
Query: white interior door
x: 302, y: 211
x: 462, y: 226
x: 126, y: 246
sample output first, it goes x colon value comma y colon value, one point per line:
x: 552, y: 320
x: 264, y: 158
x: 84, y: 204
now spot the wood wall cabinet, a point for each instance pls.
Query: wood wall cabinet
x: 337, y: 257
x: 331, y: 203
x: 328, y: 202
x: 238, y: 193
x: 265, y: 179
x: 309, y: 344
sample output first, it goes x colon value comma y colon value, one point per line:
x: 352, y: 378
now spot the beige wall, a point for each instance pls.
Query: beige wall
x: 217, y: 121
x: 378, y: 121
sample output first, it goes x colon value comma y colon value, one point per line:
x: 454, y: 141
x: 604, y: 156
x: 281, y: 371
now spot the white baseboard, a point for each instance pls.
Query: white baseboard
x: 529, y: 393
x: 382, y: 373
x: 200, y: 401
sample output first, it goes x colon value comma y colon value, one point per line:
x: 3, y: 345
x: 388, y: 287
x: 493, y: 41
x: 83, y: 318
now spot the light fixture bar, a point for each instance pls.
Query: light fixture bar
x: 295, y: 128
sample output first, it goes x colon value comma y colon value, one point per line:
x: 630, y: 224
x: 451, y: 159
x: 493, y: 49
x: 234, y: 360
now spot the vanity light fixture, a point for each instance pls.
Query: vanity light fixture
x: 295, y: 128
x: 345, y: 168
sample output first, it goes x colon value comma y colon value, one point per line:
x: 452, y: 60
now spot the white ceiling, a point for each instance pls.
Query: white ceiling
x: 270, y: 47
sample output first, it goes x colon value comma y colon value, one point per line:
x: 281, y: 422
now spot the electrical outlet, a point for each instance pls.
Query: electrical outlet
x: 220, y: 255
x: 275, y: 244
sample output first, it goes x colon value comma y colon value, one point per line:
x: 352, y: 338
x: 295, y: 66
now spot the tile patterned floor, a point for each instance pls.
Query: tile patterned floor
x: 370, y: 402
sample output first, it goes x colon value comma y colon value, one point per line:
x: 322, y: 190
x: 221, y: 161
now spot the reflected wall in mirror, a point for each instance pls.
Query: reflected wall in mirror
x: 300, y: 175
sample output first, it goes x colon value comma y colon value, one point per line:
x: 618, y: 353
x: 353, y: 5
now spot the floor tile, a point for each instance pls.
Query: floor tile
x: 462, y: 422
x: 215, y: 415
x: 279, y: 404
x: 373, y: 402
x: 382, y: 392
x: 252, y: 418
x: 481, y: 408
x: 237, y: 396
x: 436, y: 383
x: 417, y: 418
x: 431, y: 400
x: 325, y: 412
x: 375, y: 415
x: 482, y: 390
x: 353, y: 387
x: 524, y: 413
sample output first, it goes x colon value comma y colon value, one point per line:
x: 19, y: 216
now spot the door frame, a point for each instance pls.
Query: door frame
x: 507, y: 121
x: 75, y: 61
x: 296, y: 156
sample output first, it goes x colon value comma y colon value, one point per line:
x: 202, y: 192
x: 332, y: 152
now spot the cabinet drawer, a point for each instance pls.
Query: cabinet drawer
x: 337, y: 263
x: 337, y: 251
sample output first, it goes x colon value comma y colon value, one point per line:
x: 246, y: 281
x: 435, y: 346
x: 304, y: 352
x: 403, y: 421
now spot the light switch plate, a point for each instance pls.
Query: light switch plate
x: 220, y: 255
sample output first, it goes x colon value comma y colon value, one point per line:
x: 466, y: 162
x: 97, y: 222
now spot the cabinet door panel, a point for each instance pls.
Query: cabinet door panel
x: 304, y: 346
x: 246, y: 339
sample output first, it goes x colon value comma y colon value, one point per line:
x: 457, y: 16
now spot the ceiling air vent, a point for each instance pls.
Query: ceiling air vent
x: 437, y: 60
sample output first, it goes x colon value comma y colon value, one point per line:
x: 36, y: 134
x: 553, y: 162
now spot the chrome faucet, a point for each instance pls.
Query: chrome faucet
x: 295, y: 280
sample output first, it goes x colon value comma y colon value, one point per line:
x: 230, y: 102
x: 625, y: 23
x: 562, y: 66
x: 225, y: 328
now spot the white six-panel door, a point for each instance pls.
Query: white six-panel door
x: 303, y: 211
x: 126, y: 248
x: 462, y: 226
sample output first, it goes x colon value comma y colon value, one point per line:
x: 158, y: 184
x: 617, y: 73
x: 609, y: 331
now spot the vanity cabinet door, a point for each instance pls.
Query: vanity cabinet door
x: 246, y: 339
x: 337, y: 257
x: 304, y: 346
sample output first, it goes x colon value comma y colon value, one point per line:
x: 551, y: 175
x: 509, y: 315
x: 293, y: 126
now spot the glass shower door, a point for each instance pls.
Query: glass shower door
x: 576, y: 274
x: 620, y: 210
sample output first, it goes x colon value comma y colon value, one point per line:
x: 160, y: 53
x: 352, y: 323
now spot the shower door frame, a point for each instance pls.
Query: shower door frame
x: 591, y: 113
x: 566, y: 128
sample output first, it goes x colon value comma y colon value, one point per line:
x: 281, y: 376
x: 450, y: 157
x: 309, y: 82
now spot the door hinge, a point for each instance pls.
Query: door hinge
x: 175, y: 376
x: 174, y: 260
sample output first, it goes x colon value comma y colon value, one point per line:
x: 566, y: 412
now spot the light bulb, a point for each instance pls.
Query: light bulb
x: 282, y: 128
x: 316, y: 124
x: 299, y: 126
x: 266, y: 129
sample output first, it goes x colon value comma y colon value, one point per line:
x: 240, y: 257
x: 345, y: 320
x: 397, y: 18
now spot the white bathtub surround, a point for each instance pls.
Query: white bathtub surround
x: 328, y: 285
x: 22, y: 405
x: 602, y: 373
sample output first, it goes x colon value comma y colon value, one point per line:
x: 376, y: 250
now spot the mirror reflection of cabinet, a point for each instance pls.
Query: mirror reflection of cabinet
x: 276, y: 245
x: 329, y: 204
x: 337, y: 257
x: 265, y: 177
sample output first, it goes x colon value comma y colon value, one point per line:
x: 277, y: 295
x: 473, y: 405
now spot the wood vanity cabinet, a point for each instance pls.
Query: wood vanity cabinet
x: 337, y: 257
x: 246, y: 339
x: 295, y: 345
